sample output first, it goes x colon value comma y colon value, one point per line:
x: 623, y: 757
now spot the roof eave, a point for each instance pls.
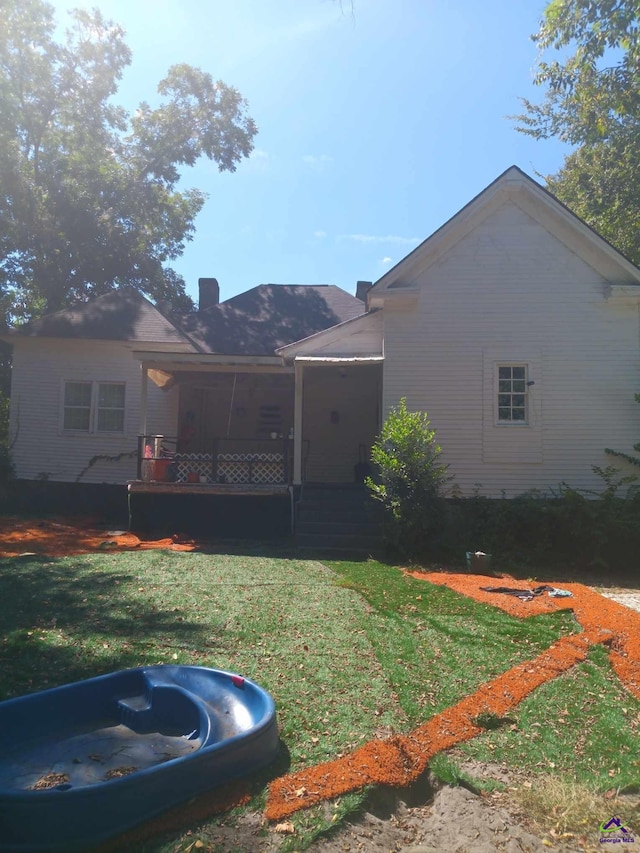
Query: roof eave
x: 514, y: 183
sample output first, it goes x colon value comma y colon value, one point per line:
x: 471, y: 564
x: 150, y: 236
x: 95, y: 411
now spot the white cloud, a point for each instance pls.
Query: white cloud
x: 373, y: 238
x: 259, y: 160
x: 317, y: 161
x: 320, y: 234
x: 386, y: 261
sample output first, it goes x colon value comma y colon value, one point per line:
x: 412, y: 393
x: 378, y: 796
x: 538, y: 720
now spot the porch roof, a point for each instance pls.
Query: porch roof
x: 177, y: 361
x: 163, y: 367
x: 340, y: 359
x: 358, y: 338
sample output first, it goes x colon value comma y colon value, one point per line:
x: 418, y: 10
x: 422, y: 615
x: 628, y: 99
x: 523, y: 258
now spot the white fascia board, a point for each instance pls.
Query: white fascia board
x: 191, y: 358
x: 339, y: 359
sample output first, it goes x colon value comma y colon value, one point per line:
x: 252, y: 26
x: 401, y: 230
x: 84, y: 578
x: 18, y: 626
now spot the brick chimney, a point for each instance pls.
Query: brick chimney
x: 362, y: 288
x: 209, y: 293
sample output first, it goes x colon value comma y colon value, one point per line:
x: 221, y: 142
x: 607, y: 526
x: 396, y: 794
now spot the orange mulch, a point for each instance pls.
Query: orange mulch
x: 400, y: 760
x: 63, y: 537
x: 592, y: 610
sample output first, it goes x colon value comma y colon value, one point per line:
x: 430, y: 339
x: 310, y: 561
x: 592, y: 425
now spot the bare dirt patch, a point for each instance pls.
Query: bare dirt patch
x: 456, y: 821
x: 427, y: 817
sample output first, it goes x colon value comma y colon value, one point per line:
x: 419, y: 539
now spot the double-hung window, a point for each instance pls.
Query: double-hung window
x: 94, y: 407
x: 512, y: 394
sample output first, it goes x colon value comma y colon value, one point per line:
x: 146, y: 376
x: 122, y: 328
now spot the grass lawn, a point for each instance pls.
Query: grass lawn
x: 349, y: 651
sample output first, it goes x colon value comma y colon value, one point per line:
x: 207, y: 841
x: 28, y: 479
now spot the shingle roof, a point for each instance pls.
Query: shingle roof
x: 256, y: 322
x: 269, y: 316
x: 122, y: 315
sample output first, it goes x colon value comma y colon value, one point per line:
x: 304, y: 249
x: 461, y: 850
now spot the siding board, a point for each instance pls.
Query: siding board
x: 510, y: 291
x: 41, y: 449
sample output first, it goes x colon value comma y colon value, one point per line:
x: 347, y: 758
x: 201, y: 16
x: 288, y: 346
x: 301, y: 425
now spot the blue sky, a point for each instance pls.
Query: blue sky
x: 375, y: 125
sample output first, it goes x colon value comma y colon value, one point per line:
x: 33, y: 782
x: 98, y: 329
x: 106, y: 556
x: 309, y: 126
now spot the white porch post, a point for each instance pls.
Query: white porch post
x: 297, y: 424
x: 143, y: 400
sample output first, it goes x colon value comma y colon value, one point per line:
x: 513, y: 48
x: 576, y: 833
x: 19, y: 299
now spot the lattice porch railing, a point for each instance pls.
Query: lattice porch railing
x: 241, y: 461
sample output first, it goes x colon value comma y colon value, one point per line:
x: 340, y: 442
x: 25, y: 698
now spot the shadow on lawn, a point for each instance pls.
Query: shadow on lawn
x: 65, y: 620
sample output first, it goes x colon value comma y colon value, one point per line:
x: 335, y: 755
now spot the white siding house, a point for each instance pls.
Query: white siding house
x: 514, y: 326
x: 517, y: 329
x: 44, y: 446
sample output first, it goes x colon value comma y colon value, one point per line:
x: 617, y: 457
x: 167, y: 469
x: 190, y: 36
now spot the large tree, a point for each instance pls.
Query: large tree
x: 600, y: 182
x: 593, y: 91
x: 592, y: 101
x: 88, y: 192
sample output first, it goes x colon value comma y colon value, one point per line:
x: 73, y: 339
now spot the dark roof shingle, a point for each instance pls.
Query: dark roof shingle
x: 269, y: 316
x: 122, y: 315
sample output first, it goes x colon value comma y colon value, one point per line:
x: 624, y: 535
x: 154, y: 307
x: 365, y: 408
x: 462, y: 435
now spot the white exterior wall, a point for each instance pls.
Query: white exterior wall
x: 511, y: 291
x: 340, y: 416
x: 41, y: 447
x: 359, y: 337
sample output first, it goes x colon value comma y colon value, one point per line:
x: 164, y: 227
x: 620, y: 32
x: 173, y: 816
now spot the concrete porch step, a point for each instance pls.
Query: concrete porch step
x: 340, y: 518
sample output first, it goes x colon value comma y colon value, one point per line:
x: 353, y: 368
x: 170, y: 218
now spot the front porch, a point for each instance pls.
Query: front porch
x: 250, y: 437
x: 227, y: 466
x: 257, y: 425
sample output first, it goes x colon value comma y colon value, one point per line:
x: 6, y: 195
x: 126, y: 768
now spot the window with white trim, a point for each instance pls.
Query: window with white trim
x: 93, y: 407
x: 512, y: 394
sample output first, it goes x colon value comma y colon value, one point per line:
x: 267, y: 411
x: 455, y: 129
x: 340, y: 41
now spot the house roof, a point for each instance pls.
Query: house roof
x: 121, y: 315
x: 360, y: 337
x: 269, y: 316
x: 256, y: 322
x: 516, y: 185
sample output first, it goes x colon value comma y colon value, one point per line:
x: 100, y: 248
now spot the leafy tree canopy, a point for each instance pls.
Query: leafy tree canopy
x: 88, y: 197
x: 594, y: 90
x: 600, y: 184
x: 592, y: 101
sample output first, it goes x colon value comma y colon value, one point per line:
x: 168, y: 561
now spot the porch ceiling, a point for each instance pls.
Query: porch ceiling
x: 203, y: 360
x: 163, y: 368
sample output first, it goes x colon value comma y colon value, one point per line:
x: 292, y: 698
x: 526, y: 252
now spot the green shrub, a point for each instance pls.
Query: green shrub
x: 409, y: 480
x: 628, y: 457
x: 6, y: 466
x: 567, y: 528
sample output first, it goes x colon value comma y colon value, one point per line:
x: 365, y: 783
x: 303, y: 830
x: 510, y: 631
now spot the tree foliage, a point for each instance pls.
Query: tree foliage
x: 600, y: 184
x: 592, y: 101
x: 594, y: 90
x: 410, y: 479
x: 88, y: 192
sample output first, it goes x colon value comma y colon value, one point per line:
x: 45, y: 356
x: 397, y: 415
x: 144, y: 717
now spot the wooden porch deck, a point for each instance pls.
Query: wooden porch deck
x: 228, y: 489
